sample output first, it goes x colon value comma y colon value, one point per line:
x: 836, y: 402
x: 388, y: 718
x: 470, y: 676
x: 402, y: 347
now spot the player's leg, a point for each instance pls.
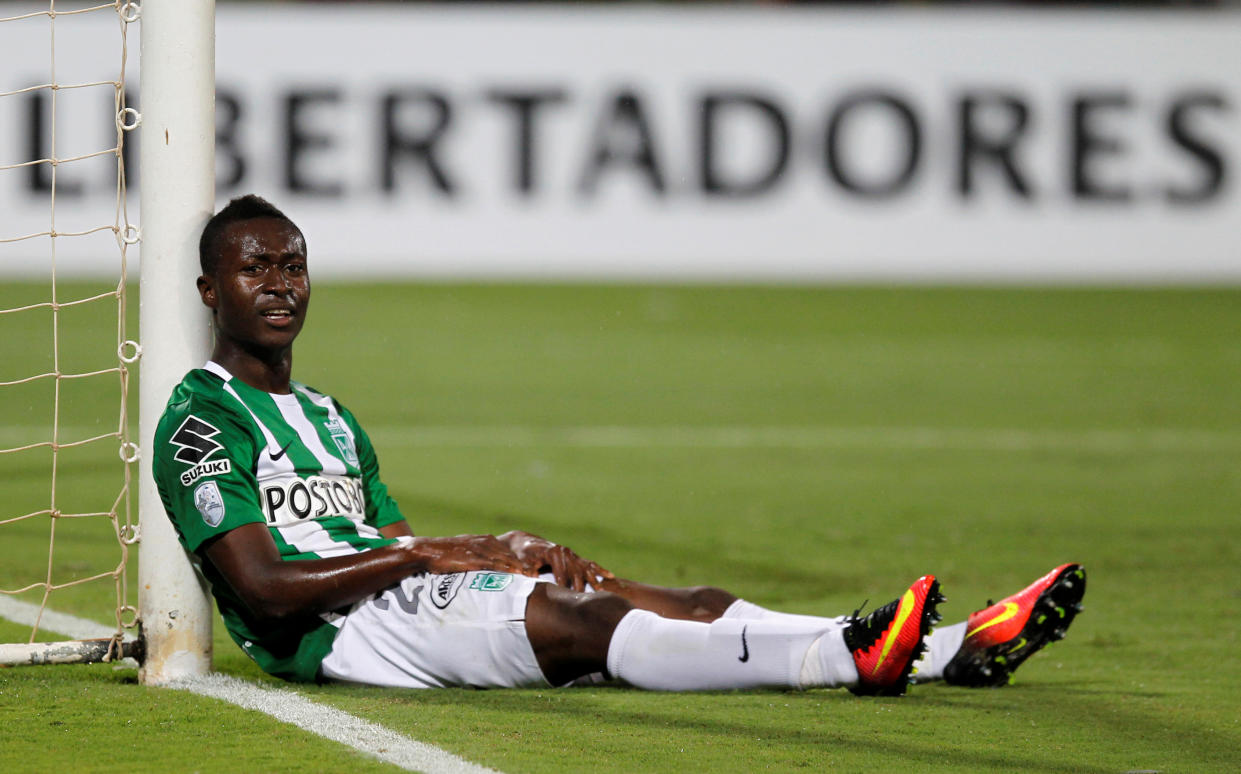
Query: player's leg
x: 574, y: 634
x: 693, y: 603
x: 705, y: 604
x: 433, y: 631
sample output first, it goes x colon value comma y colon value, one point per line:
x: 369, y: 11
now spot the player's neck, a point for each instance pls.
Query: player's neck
x: 264, y: 370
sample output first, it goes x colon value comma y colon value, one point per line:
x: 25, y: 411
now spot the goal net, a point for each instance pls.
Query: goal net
x: 66, y: 456
x: 69, y: 448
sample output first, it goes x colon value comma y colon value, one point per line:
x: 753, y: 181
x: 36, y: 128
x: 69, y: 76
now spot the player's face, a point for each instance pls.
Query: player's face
x: 260, y: 291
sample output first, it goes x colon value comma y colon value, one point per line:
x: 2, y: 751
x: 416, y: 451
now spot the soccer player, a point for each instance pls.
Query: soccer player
x: 275, y: 491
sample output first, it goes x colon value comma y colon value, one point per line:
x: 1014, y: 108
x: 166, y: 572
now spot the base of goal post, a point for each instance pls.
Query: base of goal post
x: 71, y: 652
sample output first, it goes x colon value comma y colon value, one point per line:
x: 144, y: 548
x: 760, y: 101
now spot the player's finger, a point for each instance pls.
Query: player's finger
x: 598, y: 573
x: 574, y: 570
x: 579, y: 570
x: 498, y: 561
x: 555, y: 559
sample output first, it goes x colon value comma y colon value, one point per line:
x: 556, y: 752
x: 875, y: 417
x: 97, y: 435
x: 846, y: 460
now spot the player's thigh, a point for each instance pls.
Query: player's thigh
x: 432, y: 631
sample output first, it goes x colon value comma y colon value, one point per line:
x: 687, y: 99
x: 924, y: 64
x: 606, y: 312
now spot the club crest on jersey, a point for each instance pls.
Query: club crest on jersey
x: 445, y: 587
x: 336, y: 428
x: 209, y: 503
x: 491, y: 581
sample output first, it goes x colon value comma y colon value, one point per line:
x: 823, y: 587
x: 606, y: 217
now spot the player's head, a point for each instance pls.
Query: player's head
x: 243, y: 208
x: 254, y: 277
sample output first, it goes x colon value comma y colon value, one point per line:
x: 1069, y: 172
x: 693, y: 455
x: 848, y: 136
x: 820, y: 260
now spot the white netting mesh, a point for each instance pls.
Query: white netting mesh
x: 66, y: 458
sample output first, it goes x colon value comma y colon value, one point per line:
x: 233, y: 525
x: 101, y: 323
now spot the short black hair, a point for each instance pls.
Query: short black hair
x: 242, y: 208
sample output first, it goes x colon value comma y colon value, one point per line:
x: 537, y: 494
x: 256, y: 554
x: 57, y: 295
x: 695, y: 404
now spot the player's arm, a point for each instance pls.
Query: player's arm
x: 396, y: 530
x: 248, y: 560
x: 541, y: 555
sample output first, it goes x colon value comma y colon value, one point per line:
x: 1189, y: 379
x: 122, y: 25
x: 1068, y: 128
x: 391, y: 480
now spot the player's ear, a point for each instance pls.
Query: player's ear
x: 206, y: 291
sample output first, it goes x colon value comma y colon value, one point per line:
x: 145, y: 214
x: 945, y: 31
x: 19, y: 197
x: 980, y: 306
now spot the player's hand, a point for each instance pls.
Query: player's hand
x: 465, y: 552
x: 572, y: 571
x: 539, y: 555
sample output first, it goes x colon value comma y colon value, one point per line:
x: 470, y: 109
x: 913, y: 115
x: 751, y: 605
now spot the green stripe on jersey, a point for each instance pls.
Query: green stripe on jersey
x: 339, y: 529
x: 333, y: 433
x: 267, y: 410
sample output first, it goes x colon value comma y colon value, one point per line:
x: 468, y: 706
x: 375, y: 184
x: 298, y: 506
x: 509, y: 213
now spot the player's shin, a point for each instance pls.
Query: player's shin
x: 670, y: 655
x: 744, y: 610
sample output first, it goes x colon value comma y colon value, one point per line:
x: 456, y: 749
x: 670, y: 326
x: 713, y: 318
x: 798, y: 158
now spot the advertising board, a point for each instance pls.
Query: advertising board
x: 688, y: 142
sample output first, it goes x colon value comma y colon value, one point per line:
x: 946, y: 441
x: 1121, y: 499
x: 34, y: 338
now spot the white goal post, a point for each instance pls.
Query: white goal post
x: 177, y: 180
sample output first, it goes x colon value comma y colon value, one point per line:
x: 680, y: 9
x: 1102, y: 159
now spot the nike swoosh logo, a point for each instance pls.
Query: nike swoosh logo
x: 745, y: 648
x: 277, y: 455
x: 902, y: 613
x: 1010, y: 610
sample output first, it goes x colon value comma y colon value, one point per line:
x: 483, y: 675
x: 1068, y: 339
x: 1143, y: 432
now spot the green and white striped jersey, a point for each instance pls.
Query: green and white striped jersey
x: 227, y: 454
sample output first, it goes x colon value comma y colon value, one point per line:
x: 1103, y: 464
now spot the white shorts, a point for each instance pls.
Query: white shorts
x: 437, y: 631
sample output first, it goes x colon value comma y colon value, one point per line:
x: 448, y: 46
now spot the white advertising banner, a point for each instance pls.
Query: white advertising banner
x: 687, y: 142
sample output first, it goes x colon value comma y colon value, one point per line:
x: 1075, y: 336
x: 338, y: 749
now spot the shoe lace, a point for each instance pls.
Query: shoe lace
x: 862, y: 632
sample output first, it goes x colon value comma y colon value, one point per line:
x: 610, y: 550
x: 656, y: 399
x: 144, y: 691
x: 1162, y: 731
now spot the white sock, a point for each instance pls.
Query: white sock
x: 751, y: 612
x: 663, y: 654
x: 941, y: 646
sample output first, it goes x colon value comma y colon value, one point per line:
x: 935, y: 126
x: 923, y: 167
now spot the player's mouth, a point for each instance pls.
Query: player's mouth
x: 280, y: 317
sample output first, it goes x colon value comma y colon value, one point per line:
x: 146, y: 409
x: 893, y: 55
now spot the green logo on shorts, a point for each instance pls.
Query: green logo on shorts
x: 491, y: 581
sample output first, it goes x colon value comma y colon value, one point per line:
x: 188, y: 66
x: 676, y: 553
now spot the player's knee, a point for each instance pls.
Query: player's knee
x: 590, y: 614
x: 571, y: 632
x: 601, y: 611
x: 577, y: 623
x: 708, y: 603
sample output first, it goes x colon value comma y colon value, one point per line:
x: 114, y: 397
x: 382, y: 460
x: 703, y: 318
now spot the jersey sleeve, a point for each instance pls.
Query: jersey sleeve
x: 381, y: 509
x: 204, y: 469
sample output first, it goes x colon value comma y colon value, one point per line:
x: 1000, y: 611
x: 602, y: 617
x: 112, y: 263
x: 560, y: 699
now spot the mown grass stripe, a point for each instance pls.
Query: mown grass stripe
x: 811, y: 437
x: 1171, y: 440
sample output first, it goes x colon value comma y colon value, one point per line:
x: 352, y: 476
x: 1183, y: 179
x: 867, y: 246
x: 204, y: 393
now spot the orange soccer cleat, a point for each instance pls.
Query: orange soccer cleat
x: 1002, y: 635
x: 886, y: 643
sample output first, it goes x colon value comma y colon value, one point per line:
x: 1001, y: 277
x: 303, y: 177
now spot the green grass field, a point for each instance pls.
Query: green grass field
x: 806, y: 448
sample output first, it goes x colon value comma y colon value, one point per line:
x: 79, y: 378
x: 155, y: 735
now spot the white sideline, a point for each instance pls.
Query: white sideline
x: 284, y: 705
x: 362, y: 735
x: 71, y: 626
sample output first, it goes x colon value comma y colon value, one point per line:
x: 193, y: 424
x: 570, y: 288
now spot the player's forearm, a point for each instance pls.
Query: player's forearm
x: 272, y: 588
x: 314, y: 586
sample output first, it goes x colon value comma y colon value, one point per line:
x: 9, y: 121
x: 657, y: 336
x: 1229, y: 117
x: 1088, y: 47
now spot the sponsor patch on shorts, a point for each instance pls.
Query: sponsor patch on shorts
x: 491, y: 581
x: 445, y: 588
x: 209, y: 503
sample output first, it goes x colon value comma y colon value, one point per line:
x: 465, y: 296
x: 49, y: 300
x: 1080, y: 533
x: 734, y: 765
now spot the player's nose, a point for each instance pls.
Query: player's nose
x: 275, y: 281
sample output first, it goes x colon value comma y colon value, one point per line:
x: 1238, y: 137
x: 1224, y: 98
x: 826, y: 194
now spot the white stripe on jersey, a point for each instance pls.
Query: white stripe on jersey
x: 292, y: 412
x: 311, y: 538
x: 266, y: 466
x: 326, y: 403
x: 218, y: 370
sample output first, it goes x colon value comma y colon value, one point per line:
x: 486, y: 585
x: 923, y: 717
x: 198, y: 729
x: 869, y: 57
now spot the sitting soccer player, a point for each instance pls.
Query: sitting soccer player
x: 275, y: 491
